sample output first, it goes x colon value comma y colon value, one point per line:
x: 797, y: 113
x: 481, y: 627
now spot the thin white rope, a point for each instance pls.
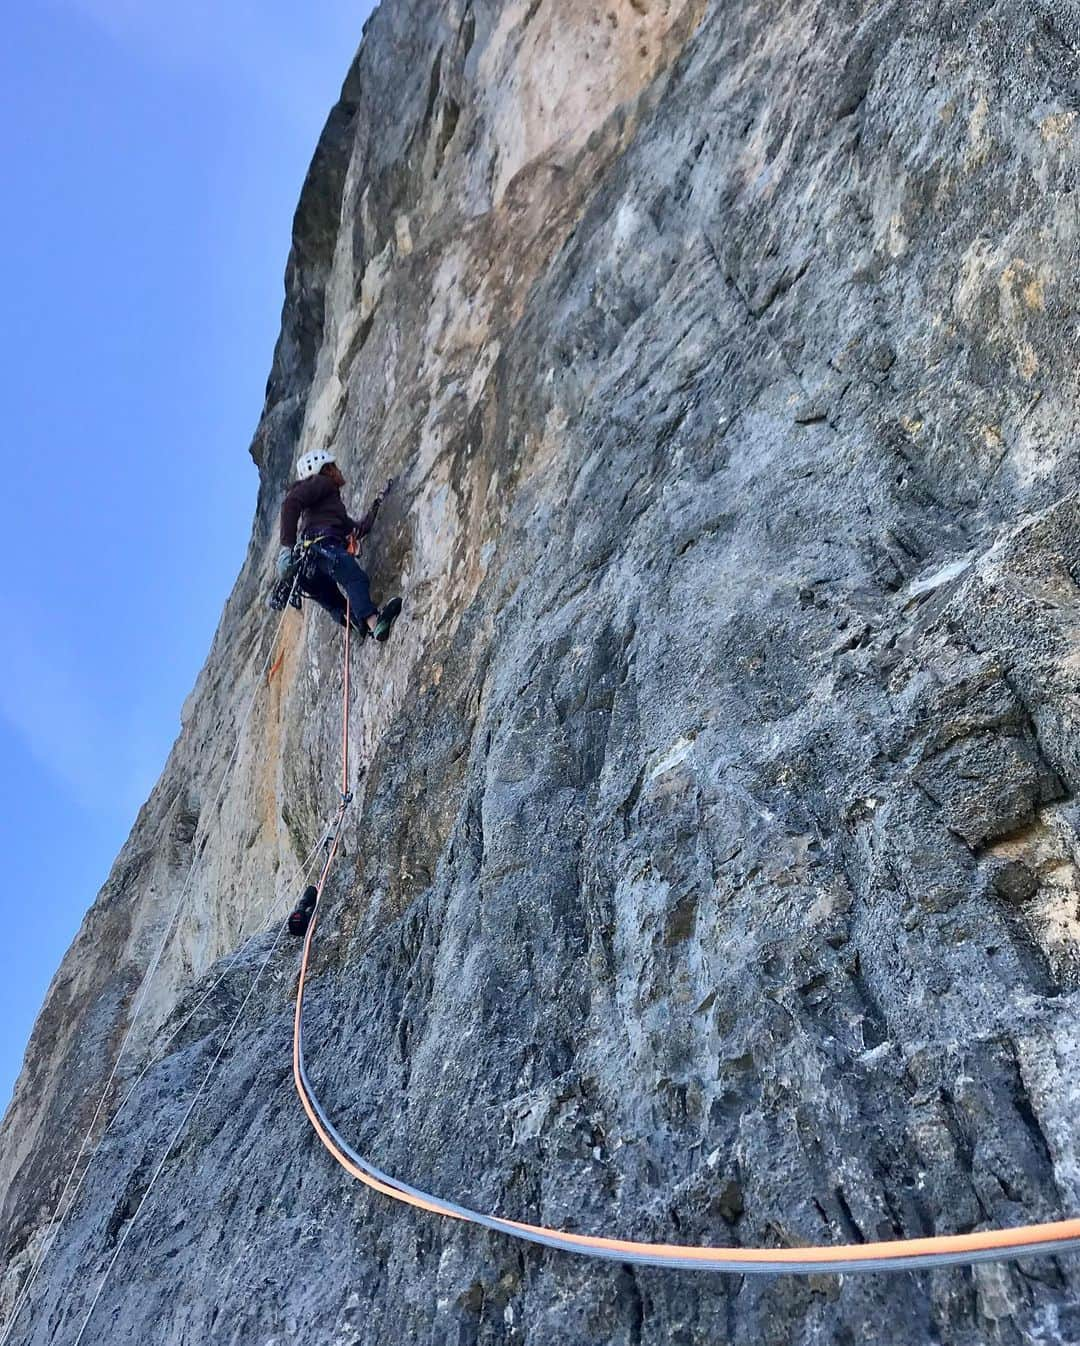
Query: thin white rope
x: 152, y: 967
x: 338, y: 824
x: 303, y: 871
x: 177, y: 1133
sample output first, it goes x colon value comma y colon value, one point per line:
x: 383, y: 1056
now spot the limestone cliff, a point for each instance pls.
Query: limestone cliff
x: 712, y: 874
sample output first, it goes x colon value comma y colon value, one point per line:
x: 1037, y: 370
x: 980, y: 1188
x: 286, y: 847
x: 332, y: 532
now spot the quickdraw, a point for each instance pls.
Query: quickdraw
x: 288, y: 589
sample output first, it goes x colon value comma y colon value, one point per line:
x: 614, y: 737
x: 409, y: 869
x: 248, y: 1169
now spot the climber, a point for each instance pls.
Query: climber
x: 329, y: 542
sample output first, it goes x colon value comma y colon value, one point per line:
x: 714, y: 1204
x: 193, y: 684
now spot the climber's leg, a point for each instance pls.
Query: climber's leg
x: 345, y: 571
x: 325, y: 592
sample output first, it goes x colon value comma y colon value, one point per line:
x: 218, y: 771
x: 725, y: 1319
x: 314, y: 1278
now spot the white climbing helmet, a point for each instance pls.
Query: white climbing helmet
x: 310, y: 463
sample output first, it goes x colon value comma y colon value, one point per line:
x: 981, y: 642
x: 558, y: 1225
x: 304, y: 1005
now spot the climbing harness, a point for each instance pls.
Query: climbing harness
x: 290, y: 587
x: 288, y: 590
x: 915, y: 1254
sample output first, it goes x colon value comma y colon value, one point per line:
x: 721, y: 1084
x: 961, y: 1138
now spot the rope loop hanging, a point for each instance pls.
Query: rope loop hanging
x: 914, y: 1254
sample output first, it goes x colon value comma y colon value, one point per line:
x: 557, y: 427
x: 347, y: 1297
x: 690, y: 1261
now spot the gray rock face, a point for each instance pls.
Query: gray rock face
x: 712, y: 875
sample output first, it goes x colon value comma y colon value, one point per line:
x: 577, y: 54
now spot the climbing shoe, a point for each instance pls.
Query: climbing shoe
x: 387, y: 616
x: 300, y: 919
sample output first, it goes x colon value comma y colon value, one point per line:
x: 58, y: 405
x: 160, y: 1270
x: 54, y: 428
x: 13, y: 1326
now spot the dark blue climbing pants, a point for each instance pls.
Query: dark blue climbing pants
x: 328, y: 567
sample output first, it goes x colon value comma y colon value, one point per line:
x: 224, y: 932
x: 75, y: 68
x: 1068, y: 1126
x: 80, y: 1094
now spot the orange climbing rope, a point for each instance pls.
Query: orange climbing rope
x: 345, y: 707
x: 916, y: 1254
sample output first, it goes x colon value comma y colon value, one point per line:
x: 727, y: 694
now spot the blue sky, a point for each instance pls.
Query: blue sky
x: 152, y: 157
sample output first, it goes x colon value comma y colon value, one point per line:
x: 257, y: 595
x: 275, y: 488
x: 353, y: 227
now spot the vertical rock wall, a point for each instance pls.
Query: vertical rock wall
x: 712, y: 874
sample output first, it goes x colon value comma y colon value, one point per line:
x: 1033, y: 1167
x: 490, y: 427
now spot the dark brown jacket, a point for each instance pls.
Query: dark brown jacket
x: 325, y: 515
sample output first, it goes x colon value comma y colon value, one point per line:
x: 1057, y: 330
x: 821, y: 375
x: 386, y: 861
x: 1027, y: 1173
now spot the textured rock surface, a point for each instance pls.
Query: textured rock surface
x: 713, y: 874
